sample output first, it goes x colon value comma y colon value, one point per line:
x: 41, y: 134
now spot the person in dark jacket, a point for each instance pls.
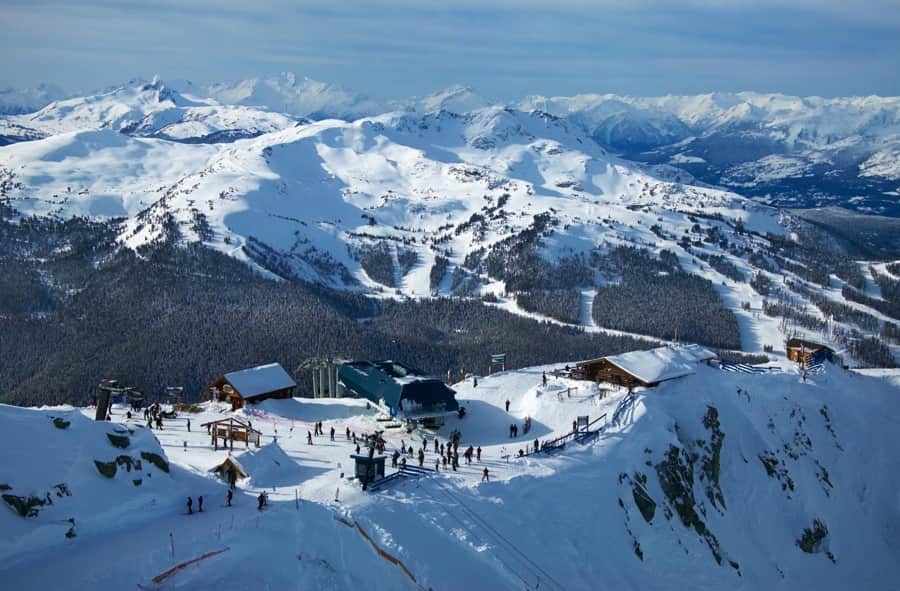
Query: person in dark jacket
x: 485, y: 475
x: 200, y: 503
x: 190, y: 505
x: 228, y: 496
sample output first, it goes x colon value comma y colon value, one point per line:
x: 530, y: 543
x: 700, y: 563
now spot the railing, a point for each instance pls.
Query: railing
x: 583, y: 435
x: 407, y: 471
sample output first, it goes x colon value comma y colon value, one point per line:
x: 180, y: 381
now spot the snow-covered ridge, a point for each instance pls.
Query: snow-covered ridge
x: 714, y: 480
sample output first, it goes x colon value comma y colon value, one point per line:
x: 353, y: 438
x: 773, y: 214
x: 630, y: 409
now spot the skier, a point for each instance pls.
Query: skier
x: 442, y: 447
x: 309, y: 438
x: 435, y: 445
x: 421, y: 458
x: 536, y: 448
x: 348, y: 433
x: 485, y: 475
x: 189, y: 425
x: 261, y: 501
x: 228, y: 497
x: 200, y: 503
x: 190, y: 506
x: 507, y: 405
x: 474, y: 381
x: 332, y: 433
x: 544, y: 378
x: 478, y: 452
x: 357, y: 449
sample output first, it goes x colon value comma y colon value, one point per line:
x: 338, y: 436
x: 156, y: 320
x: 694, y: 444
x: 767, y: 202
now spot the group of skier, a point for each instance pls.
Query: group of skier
x: 153, y: 415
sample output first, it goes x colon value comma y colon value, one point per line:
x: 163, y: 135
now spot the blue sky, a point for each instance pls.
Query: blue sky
x: 503, y: 49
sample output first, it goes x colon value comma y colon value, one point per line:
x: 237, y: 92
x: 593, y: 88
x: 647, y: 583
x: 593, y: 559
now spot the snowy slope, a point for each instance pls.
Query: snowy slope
x: 310, y: 190
x: 755, y: 459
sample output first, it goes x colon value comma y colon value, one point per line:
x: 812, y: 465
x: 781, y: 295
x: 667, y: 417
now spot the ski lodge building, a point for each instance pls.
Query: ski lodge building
x: 644, y: 368
x: 252, y: 385
x: 803, y: 350
x: 404, y: 392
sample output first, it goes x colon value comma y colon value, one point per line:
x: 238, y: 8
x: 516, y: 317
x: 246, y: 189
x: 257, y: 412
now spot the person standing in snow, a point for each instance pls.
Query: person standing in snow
x: 435, y: 445
x: 309, y: 438
x: 200, y: 503
x: 478, y: 452
x: 394, y: 458
x: 507, y: 405
x: 189, y: 425
x: 228, y: 496
x: 348, y: 433
x: 575, y: 426
x: 421, y: 457
x: 332, y: 433
x: 485, y: 475
x: 544, y: 378
x: 261, y: 500
x: 190, y: 506
x: 536, y: 448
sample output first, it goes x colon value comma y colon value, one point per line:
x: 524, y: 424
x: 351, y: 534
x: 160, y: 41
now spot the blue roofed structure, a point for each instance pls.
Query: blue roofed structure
x: 404, y: 391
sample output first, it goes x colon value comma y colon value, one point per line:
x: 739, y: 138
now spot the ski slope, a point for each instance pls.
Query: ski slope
x: 563, y: 521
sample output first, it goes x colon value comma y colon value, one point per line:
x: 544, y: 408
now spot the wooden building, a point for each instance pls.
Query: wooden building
x: 803, y: 350
x: 251, y: 385
x: 644, y: 368
x: 230, y: 430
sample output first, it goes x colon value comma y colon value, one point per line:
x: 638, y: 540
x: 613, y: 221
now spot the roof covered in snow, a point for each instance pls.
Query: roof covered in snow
x: 663, y: 363
x: 260, y: 380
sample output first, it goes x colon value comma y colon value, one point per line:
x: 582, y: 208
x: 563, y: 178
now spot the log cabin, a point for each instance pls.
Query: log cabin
x: 252, y: 385
x: 644, y: 368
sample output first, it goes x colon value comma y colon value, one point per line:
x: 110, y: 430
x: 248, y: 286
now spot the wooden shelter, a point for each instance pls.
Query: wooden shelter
x: 644, y: 368
x: 230, y: 470
x: 252, y: 385
x: 802, y: 350
x: 230, y: 430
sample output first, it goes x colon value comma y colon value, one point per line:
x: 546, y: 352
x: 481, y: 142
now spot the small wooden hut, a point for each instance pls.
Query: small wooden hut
x: 230, y: 430
x: 230, y: 470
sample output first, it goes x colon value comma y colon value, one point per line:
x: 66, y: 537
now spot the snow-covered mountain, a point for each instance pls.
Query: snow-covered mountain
x: 718, y: 480
x: 785, y: 150
x: 441, y: 197
x: 148, y: 109
x: 798, y: 150
x: 435, y: 184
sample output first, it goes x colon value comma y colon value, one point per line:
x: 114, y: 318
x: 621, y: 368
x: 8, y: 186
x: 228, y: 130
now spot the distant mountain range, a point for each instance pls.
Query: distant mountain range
x: 529, y: 209
x: 783, y: 150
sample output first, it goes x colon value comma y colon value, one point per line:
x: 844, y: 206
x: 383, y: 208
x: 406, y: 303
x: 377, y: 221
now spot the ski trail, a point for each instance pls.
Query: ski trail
x: 586, y: 316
